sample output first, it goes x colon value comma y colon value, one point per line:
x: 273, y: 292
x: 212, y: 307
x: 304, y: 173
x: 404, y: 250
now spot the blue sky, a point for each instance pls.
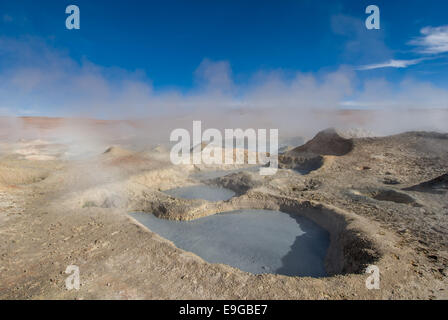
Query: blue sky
x: 181, y: 53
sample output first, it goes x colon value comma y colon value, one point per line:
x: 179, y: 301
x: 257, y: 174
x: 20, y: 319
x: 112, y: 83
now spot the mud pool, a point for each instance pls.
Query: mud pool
x: 255, y: 241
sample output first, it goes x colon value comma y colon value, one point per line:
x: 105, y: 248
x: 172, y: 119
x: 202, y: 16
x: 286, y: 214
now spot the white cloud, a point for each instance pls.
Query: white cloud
x: 434, y: 40
x: 391, y: 64
x: 36, y: 78
x: 408, y: 94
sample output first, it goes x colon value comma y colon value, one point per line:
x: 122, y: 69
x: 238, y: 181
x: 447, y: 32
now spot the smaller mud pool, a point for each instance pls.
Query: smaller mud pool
x: 205, y: 192
x: 256, y: 241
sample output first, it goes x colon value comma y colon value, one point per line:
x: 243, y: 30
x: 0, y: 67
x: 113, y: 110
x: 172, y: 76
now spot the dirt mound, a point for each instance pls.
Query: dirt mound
x: 394, y: 196
x: 126, y: 160
x: 425, y: 134
x: 304, y: 163
x: 327, y: 142
x: 239, y: 182
x: 210, y: 151
x: 117, y: 152
x: 20, y: 175
x: 160, y: 149
x: 436, y: 185
x: 310, y: 156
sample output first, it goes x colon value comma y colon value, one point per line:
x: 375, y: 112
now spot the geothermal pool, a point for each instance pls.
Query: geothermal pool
x: 205, y: 192
x: 255, y: 241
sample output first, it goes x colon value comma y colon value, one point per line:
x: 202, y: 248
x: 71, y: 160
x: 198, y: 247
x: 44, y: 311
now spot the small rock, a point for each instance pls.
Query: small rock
x: 391, y: 181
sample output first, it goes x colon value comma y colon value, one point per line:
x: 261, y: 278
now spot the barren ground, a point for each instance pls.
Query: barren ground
x: 367, y: 192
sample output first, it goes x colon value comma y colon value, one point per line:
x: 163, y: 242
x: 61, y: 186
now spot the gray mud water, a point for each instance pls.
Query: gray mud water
x: 255, y: 241
x: 205, y: 192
